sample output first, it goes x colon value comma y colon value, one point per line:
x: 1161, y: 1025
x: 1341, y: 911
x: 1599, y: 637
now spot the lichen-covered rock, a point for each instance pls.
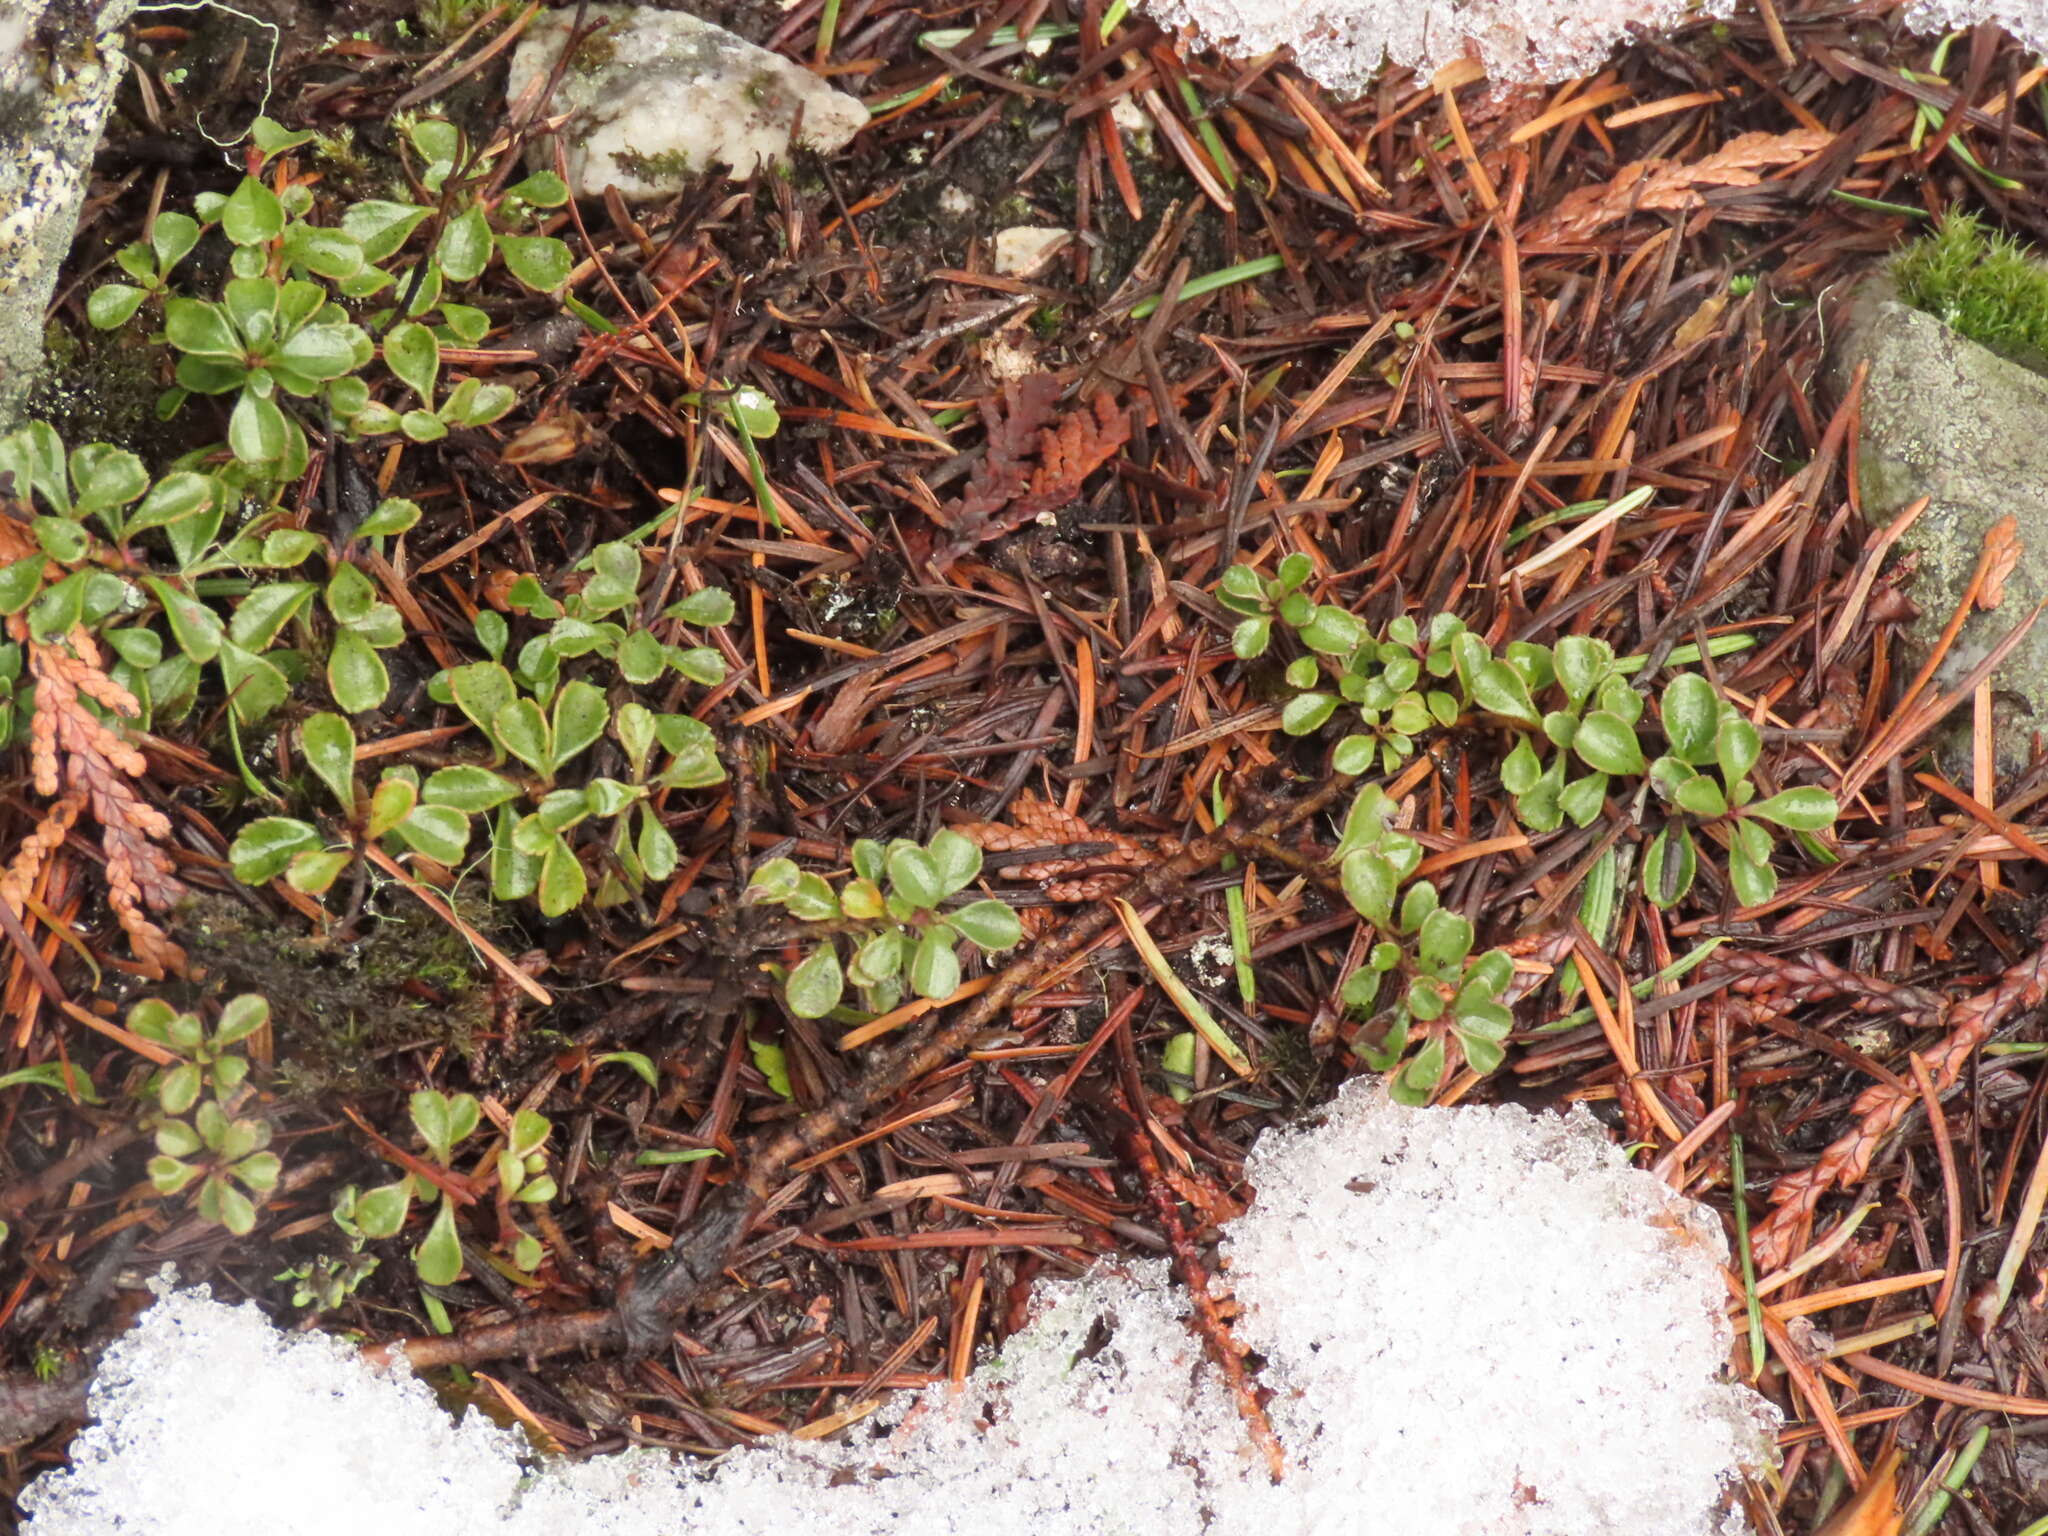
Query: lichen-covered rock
x: 655, y: 97
x: 58, y: 70
x: 1949, y: 420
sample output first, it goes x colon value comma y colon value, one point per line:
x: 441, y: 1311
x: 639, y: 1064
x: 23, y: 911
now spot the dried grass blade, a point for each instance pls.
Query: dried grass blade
x: 1183, y: 996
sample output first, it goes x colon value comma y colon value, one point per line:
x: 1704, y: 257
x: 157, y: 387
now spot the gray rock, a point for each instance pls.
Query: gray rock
x: 58, y: 69
x: 1949, y: 420
x: 658, y: 96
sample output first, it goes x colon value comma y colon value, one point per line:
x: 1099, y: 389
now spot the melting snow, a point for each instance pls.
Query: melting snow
x: 1474, y: 1322
x: 1342, y: 43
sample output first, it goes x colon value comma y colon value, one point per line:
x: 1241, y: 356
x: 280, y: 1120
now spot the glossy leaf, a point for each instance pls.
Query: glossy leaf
x: 1609, y: 744
x: 1805, y: 808
x: 815, y: 985
x: 328, y: 743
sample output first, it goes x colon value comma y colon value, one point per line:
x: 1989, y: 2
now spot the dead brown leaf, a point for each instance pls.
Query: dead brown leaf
x: 1653, y: 185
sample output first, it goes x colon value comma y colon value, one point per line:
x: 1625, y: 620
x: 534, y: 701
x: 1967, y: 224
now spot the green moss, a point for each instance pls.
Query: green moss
x: 593, y: 53
x: 102, y: 387
x: 1984, y: 285
x: 668, y: 164
x: 341, y: 1011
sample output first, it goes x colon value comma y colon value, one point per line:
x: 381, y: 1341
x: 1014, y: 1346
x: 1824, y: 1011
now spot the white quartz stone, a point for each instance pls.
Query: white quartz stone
x: 1023, y: 249
x: 657, y: 96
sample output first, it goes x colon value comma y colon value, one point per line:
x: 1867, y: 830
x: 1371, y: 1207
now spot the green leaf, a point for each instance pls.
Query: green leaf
x: 521, y: 729
x: 878, y: 959
x: 514, y: 875
x: 381, y: 227
x: 1692, y: 711
x: 1481, y: 1054
x: 414, y: 355
x: 655, y: 847
x: 440, y: 832
x: 32, y: 458
x: 1354, y: 755
x: 773, y: 883
x: 700, y: 664
x: 934, y: 967
x: 178, y: 1089
x: 1370, y: 884
x: 480, y: 691
x: 19, y: 583
x: 61, y: 1077
x: 1582, y: 799
x: 1486, y: 978
x: 176, y: 497
x: 257, y: 431
x: 812, y: 901
x: 1670, y: 865
x: 1250, y: 638
x: 581, y: 715
x: 1307, y: 713
x: 355, y: 673
x: 252, y: 213
x: 813, y: 989
x: 1241, y: 590
x: 1701, y: 796
x: 264, y: 847
x: 473, y: 403
x: 1520, y: 769
x: 467, y: 788
x: 543, y: 189
x: 990, y: 924
x: 225, y: 1206
x: 705, y: 609
x: 913, y: 876
x: 61, y: 539
x: 394, y: 514
x: 541, y: 262
x: 112, y: 305
x: 314, y: 871
x: 563, y: 884
x: 1444, y: 941
x: 469, y: 326
x: 464, y: 249
x: 390, y: 803
x: 439, y: 1255
x: 1332, y: 631
x: 956, y: 860
x: 254, y: 683
x: 444, y: 1121
x: 1607, y: 743
x: 1737, y: 745
x: 1753, y: 882
x: 380, y: 1212
x: 1416, y: 1081
x: 260, y: 616
x: 1804, y: 808
x: 272, y: 138
x: 328, y: 743
x: 640, y: 658
x: 1579, y: 663
x: 751, y: 411
x: 1499, y: 689
x: 1753, y: 838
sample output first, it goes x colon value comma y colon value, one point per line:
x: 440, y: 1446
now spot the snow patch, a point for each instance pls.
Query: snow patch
x: 1474, y: 1322
x: 1343, y: 43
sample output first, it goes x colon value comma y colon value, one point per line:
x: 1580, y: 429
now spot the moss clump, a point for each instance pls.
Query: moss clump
x: 1983, y: 284
x: 340, y: 1012
x: 663, y: 165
